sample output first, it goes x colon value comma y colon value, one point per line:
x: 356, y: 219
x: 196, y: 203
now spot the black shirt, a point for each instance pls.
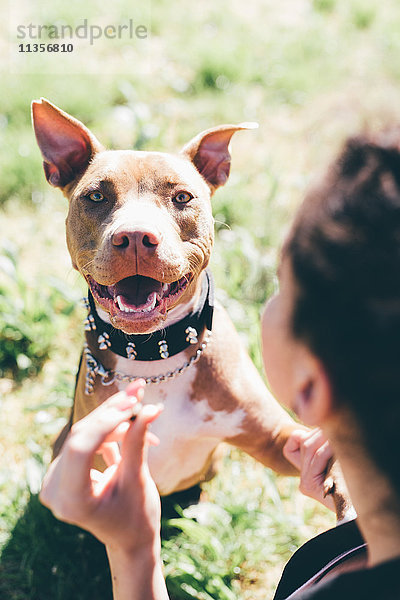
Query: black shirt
x: 305, y: 575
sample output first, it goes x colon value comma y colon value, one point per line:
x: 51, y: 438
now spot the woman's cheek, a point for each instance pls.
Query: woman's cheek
x: 276, y: 352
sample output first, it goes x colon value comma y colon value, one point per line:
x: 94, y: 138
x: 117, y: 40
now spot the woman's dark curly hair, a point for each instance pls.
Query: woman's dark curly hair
x: 344, y: 248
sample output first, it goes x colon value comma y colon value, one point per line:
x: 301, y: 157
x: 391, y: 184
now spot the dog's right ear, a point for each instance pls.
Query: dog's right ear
x: 65, y: 143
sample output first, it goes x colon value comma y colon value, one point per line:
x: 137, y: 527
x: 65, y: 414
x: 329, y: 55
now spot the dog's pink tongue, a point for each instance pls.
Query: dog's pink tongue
x: 136, y: 289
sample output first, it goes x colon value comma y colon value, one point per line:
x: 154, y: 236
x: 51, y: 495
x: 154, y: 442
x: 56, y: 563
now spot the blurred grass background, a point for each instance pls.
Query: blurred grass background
x: 310, y: 72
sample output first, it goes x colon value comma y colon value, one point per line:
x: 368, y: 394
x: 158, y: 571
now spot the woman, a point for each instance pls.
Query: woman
x: 331, y: 345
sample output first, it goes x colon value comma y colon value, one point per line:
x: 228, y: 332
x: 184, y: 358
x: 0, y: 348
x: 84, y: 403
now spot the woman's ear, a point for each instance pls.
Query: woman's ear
x: 313, y: 400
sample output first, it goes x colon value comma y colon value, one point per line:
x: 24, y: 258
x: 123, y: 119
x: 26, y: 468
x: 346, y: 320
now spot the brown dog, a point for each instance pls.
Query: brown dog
x: 140, y: 231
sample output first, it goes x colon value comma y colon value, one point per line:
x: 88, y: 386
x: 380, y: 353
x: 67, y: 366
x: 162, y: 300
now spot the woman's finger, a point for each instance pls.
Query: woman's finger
x: 152, y: 439
x: 313, y: 477
x: 95, y: 475
x: 90, y: 433
x: 313, y: 440
x: 321, y: 460
x: 292, y: 448
x: 106, y: 479
x: 133, y: 445
x: 119, y: 433
x: 136, y: 388
x: 110, y: 453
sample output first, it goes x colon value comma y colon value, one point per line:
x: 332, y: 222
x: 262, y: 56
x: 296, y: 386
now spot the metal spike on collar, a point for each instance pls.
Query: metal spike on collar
x: 94, y: 368
x: 88, y: 323
x: 104, y: 341
x: 131, y: 351
x: 191, y: 335
x: 163, y: 349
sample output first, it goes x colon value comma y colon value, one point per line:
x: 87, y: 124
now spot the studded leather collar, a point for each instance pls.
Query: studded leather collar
x: 162, y: 343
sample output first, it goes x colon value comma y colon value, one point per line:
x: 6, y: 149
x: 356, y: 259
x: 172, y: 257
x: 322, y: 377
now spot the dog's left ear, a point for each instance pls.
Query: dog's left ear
x: 209, y: 152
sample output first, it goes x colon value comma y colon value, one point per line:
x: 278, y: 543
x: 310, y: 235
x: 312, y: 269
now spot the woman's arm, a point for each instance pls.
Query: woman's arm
x: 137, y: 576
x: 121, y: 506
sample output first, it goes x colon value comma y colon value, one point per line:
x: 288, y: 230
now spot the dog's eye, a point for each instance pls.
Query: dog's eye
x: 183, y: 197
x: 96, y: 197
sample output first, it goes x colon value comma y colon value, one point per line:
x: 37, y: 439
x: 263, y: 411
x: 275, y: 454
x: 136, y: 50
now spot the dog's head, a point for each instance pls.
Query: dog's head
x: 139, y: 226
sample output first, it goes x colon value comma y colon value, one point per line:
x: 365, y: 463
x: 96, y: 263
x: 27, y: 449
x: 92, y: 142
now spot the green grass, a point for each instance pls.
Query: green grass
x: 31, y: 316
x: 310, y: 72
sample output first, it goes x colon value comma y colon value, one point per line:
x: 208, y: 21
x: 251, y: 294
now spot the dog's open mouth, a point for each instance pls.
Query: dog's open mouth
x: 138, y: 297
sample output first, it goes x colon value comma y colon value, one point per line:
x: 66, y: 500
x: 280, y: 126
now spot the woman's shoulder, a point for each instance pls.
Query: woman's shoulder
x: 332, y: 565
x: 314, y: 557
x: 378, y: 583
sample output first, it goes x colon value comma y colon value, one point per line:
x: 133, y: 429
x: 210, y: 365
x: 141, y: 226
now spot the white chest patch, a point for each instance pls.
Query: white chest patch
x: 189, y: 430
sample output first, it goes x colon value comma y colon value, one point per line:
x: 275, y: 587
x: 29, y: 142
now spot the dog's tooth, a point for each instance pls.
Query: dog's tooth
x: 165, y: 287
x: 153, y: 295
x: 122, y: 306
x: 151, y: 299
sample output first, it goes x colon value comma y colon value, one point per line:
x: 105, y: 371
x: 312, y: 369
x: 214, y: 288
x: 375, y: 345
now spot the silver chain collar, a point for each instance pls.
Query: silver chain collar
x: 109, y: 376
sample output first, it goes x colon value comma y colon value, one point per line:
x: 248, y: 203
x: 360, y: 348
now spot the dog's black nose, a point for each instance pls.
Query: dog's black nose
x: 125, y: 237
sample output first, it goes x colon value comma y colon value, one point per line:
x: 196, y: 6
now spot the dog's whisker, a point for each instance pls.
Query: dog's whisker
x: 223, y: 223
x: 88, y: 264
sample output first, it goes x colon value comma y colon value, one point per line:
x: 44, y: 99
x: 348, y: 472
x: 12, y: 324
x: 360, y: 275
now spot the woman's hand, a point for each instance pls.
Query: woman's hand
x: 121, y: 506
x: 320, y: 476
